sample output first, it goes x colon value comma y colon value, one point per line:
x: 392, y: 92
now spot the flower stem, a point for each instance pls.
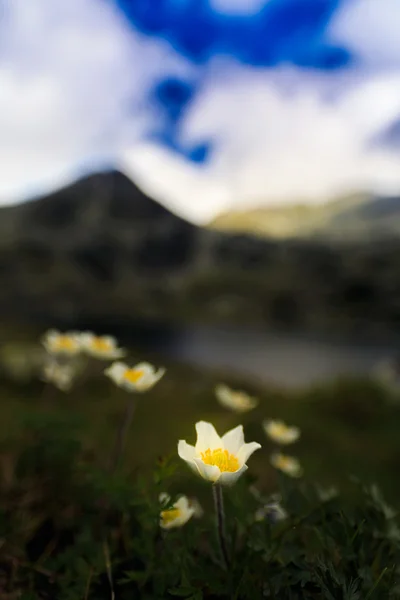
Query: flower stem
x: 122, y: 433
x: 220, y: 516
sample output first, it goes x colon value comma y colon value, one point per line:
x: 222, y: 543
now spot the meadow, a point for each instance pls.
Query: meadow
x: 71, y: 527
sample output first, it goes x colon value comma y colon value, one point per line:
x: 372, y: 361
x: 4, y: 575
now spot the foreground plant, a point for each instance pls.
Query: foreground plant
x: 58, y: 541
x: 220, y: 460
x: 140, y: 378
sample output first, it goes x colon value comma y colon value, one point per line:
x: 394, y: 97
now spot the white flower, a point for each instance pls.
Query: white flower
x: 287, y: 464
x: 68, y: 343
x: 178, y: 514
x: 273, y: 511
x: 281, y: 433
x: 216, y: 459
x: 103, y: 347
x: 61, y: 376
x: 234, y: 400
x: 139, y: 378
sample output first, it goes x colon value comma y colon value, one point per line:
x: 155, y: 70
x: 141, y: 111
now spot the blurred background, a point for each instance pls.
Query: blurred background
x: 217, y: 183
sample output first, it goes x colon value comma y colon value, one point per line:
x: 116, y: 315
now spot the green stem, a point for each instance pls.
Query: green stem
x: 220, y: 522
x: 122, y: 434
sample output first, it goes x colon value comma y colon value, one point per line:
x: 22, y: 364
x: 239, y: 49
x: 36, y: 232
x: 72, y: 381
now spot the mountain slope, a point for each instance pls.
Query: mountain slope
x: 357, y: 217
x: 102, y: 252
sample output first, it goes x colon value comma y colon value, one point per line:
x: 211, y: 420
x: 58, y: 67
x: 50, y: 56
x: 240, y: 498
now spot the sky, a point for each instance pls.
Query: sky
x: 209, y: 105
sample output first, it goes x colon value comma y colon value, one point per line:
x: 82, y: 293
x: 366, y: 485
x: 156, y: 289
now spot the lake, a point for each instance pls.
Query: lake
x: 283, y: 359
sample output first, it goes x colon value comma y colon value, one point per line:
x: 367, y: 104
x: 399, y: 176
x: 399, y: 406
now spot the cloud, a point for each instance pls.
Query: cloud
x: 73, y: 82
x: 370, y: 30
x: 286, y: 138
x: 289, y: 101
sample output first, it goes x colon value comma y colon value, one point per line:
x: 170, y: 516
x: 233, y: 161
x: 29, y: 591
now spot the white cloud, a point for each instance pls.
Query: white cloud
x: 292, y: 136
x: 54, y: 103
x: 71, y: 75
x: 73, y: 82
x: 370, y: 29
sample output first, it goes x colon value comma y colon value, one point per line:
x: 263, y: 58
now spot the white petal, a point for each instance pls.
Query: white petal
x: 160, y: 373
x: 164, y: 498
x: 295, y: 432
x: 117, y: 367
x: 53, y: 333
x: 86, y: 337
x: 228, y: 478
x: 221, y: 389
x: 188, y: 514
x: 186, y: 451
x: 207, y: 437
x: 226, y: 402
x: 182, y: 503
x: 149, y: 377
x: 208, y: 472
x: 146, y: 367
x: 233, y: 440
x: 246, y: 451
x: 223, y: 394
x: 183, y: 518
x: 116, y: 371
x: 51, y: 336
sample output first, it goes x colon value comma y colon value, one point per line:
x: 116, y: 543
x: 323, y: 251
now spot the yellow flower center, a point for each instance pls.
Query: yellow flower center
x: 64, y: 342
x: 133, y: 375
x: 101, y: 344
x: 221, y: 459
x: 284, y: 462
x: 279, y: 429
x: 170, y: 515
x: 240, y: 399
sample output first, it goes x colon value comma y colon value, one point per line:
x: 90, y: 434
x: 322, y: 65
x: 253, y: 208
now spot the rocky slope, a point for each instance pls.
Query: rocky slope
x: 102, y: 251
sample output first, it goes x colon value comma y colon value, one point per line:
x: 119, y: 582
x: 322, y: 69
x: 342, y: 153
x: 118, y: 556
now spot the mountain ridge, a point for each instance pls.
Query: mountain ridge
x: 102, y: 250
x: 352, y: 217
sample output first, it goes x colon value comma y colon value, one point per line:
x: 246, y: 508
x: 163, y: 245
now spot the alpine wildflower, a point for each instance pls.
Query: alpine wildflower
x: 218, y: 459
x: 139, y: 378
x: 281, y: 433
x: 236, y: 401
x: 62, y: 344
x: 104, y: 347
x: 176, y: 516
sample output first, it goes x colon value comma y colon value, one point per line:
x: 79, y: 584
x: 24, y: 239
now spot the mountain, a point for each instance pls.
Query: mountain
x: 75, y: 251
x: 356, y: 217
x: 101, y: 252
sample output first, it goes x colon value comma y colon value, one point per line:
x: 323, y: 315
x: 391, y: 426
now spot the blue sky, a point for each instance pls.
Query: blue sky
x: 208, y: 104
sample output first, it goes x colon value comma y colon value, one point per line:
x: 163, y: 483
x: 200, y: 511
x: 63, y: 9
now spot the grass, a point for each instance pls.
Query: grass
x: 348, y: 426
x: 69, y: 529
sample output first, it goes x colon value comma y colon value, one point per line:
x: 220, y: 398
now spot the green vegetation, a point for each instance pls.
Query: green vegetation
x: 69, y: 529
